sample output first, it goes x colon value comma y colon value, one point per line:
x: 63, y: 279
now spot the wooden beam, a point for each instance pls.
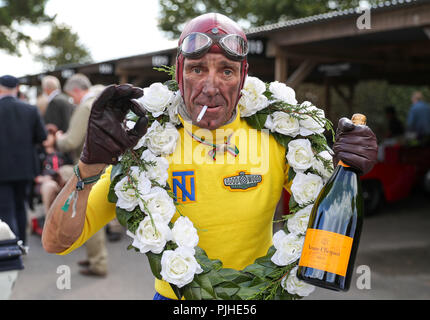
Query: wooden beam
x: 385, y: 60
x: 301, y: 73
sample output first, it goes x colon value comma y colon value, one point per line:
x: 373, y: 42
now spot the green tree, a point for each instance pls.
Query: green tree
x: 174, y: 13
x: 62, y: 47
x: 14, y: 14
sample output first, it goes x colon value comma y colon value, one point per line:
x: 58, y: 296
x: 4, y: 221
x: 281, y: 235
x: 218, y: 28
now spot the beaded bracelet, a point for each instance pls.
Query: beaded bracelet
x: 80, y: 185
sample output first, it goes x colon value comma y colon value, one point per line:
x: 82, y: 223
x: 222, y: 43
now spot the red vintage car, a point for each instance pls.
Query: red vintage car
x: 403, y: 168
x: 393, y: 179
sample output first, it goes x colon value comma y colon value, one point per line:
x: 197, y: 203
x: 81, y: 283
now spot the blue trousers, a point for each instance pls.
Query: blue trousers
x: 13, y: 197
x: 158, y: 296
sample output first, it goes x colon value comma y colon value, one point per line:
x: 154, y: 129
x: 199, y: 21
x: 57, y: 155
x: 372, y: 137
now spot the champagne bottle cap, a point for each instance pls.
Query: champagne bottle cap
x: 358, y: 119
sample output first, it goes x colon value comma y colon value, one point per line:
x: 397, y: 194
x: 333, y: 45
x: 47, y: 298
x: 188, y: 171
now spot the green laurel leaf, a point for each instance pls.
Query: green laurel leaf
x: 281, y: 139
x: 227, y: 290
x: 257, y: 120
x: 291, y: 174
x: 192, y: 292
x: 123, y: 216
x: 155, y: 264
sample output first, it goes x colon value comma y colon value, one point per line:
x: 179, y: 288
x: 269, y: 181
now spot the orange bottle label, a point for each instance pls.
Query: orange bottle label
x: 326, y: 250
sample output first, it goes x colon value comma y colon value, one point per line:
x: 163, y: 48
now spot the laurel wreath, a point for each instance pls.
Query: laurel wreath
x: 263, y: 279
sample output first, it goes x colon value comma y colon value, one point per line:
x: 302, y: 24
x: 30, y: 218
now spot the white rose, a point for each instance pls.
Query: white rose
x: 126, y: 193
x: 161, y: 140
x: 127, y: 198
x: 252, y: 99
x: 283, y: 123
x: 318, y: 165
x: 300, y: 155
x: 309, y: 125
x: 179, y: 266
x: 306, y: 187
x: 288, y: 248
x: 158, y: 203
x: 144, y: 185
x: 157, y: 172
x: 281, y: 92
x: 298, y: 223
x: 173, y: 107
x: 156, y: 98
x: 295, y: 286
x: 148, y: 238
x: 184, y: 233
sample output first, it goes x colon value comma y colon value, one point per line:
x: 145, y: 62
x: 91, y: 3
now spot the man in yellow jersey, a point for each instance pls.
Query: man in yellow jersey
x: 233, y: 197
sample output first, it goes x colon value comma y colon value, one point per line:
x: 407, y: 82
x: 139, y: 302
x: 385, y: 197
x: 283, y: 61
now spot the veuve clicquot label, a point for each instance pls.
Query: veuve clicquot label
x: 327, y: 251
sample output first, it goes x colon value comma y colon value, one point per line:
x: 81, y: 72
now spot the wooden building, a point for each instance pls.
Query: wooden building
x: 389, y: 41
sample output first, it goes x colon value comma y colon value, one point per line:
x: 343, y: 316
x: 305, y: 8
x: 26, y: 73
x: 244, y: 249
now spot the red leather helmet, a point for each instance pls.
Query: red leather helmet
x: 215, y: 33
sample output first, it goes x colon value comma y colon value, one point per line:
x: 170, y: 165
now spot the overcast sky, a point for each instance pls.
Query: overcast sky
x: 108, y: 28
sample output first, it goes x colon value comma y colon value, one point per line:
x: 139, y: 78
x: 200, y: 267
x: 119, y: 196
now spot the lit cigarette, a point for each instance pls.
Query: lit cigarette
x: 202, y: 113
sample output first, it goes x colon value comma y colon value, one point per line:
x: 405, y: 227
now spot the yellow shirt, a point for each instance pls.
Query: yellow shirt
x: 231, y: 200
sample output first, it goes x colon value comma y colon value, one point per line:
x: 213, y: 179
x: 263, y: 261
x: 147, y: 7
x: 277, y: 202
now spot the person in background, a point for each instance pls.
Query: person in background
x: 393, y: 134
x: 41, y: 103
x: 59, y: 110
x: 419, y: 118
x: 21, y: 129
x: 80, y: 89
x: 395, y: 127
x: 56, y: 170
x: 22, y: 96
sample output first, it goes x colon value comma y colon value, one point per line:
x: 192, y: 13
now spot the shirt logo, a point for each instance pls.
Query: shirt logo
x: 184, y: 186
x: 242, y: 181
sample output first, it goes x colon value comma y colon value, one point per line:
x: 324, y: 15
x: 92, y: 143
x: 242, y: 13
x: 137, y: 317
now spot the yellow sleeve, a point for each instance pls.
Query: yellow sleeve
x: 99, y: 211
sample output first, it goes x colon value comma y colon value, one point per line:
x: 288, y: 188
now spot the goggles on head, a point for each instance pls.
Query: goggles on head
x: 196, y: 44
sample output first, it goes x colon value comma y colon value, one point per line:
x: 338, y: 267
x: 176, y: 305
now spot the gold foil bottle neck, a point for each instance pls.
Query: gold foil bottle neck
x: 358, y: 119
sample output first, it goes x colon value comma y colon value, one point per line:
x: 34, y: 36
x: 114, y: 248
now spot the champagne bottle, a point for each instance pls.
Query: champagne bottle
x: 334, y: 229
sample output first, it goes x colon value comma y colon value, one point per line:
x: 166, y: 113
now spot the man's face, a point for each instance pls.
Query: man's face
x: 75, y: 94
x: 212, y: 80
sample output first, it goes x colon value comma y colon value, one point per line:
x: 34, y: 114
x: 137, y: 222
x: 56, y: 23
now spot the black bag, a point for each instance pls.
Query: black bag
x: 10, y: 255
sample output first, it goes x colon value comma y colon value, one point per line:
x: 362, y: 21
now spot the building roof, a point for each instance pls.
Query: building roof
x: 383, y: 5
x: 395, y: 46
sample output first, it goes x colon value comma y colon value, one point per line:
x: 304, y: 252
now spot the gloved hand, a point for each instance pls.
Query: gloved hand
x: 355, y: 146
x: 107, y: 137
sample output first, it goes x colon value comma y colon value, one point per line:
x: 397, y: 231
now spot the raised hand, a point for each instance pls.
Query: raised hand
x: 107, y: 138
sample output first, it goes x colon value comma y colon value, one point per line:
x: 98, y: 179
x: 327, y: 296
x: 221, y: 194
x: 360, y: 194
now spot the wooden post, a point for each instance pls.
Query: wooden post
x: 123, y: 78
x: 281, y: 65
x: 351, y: 88
x: 327, y: 102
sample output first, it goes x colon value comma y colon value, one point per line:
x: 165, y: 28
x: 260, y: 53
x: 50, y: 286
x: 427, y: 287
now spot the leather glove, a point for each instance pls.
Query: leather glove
x: 107, y: 137
x: 355, y: 146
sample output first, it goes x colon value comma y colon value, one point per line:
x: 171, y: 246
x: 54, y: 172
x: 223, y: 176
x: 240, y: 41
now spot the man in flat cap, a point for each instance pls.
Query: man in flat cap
x: 21, y: 128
